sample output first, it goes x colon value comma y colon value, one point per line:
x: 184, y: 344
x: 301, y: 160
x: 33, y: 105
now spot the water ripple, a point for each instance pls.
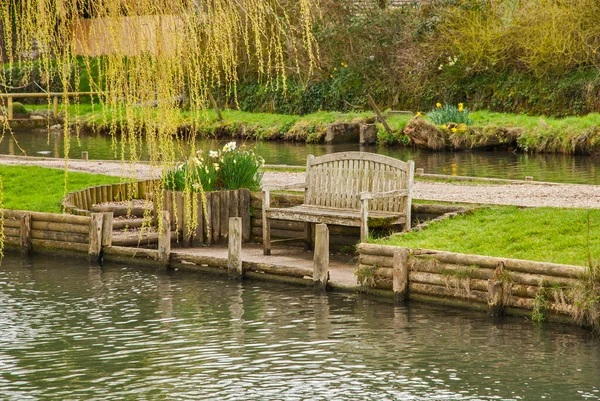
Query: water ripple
x: 128, y: 333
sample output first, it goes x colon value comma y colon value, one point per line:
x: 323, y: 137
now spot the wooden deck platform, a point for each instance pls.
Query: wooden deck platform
x: 292, y: 259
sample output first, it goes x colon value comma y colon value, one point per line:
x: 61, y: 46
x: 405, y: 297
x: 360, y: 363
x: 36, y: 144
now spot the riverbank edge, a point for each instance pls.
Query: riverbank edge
x: 379, y: 295
x: 445, y: 283
x: 416, y: 132
x: 405, y: 130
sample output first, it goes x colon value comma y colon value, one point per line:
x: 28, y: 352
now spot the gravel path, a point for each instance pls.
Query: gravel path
x: 521, y: 194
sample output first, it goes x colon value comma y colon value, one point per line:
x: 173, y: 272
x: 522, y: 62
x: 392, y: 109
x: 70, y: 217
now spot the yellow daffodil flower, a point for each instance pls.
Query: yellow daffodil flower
x: 438, y: 105
x: 454, y: 129
x: 419, y: 114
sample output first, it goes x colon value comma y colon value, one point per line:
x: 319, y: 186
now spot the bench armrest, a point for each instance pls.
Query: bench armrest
x: 375, y: 195
x: 298, y: 185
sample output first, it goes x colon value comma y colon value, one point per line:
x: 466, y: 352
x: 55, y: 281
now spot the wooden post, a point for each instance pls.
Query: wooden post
x: 84, y: 155
x: 95, y: 245
x: 266, y: 224
x: 244, y: 200
x: 364, y: 219
x: 321, y: 257
x: 379, y: 115
x: 10, y: 108
x: 25, y: 234
x: 234, y: 255
x: 496, y: 292
x: 107, y: 229
x: 216, y: 217
x: 400, y: 274
x: 55, y: 107
x: 164, y: 239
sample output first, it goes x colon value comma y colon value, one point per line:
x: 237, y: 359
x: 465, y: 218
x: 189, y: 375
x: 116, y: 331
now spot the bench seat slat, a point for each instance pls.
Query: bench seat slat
x: 333, y: 215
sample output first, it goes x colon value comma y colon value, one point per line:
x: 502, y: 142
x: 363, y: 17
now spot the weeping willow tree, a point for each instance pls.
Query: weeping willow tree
x: 147, y: 58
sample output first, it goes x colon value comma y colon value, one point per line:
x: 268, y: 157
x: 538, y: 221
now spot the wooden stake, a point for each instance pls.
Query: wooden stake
x: 400, y: 274
x: 164, y: 240
x: 244, y: 205
x: 95, y: 244
x: 234, y: 256
x: 84, y: 155
x: 379, y: 115
x: 55, y: 107
x: 321, y: 257
x: 266, y: 224
x: 25, y: 234
x: 10, y: 108
x: 495, y: 299
x: 107, y: 229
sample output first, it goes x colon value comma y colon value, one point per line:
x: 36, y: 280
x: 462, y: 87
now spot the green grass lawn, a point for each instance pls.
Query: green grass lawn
x: 541, y: 234
x: 42, y: 189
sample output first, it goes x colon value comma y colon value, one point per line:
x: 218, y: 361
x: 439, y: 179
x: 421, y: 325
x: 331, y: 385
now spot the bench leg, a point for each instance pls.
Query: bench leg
x: 364, y: 220
x: 308, y: 242
x: 266, y: 236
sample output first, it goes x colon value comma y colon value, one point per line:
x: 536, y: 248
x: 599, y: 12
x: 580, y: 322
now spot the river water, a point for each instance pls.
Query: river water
x: 69, y: 331
x: 499, y: 164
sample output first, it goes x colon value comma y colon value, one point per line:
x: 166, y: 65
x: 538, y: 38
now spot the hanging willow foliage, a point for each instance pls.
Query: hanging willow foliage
x: 148, y: 58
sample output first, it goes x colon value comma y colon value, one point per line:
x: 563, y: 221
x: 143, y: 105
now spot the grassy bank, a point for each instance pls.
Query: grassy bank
x: 489, y: 130
x: 540, y: 234
x: 42, y: 189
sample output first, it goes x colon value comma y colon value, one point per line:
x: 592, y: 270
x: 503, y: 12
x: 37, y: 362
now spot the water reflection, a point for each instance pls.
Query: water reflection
x: 500, y: 164
x: 70, y: 331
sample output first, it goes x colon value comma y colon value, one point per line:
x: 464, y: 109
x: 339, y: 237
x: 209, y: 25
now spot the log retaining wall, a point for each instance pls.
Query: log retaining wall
x: 496, y: 284
x: 39, y: 232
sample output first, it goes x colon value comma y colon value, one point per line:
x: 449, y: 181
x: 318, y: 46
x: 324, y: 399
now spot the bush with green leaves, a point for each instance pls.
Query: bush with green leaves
x: 224, y: 169
x: 449, y: 113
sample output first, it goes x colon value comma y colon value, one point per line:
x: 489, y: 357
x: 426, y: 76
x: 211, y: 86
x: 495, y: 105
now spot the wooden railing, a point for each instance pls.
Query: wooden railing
x: 54, y: 95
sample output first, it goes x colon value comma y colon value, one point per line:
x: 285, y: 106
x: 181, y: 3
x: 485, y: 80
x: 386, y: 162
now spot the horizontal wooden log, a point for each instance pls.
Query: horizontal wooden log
x: 60, y: 236
x: 61, y: 227
x: 119, y: 224
x: 438, y: 290
x: 131, y: 252
x: 525, y: 266
x: 12, y: 222
x: 177, y: 257
x: 120, y: 210
x: 449, y: 281
x: 59, y: 245
x: 277, y: 270
x: 48, y: 217
x: 12, y: 232
x: 10, y: 240
x: 134, y: 238
x: 375, y: 260
x: 549, y: 269
x: 434, y: 266
x: 436, y: 209
x: 529, y: 303
x: 382, y: 273
x: 539, y: 280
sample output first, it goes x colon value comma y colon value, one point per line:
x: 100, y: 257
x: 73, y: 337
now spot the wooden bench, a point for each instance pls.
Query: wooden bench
x: 349, y: 189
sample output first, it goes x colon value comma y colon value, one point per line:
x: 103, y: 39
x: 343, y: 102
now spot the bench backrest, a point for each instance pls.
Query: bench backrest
x: 337, y: 179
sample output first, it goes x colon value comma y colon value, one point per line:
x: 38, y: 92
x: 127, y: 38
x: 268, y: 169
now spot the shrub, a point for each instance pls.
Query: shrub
x: 227, y: 168
x: 19, y: 108
x: 586, y: 297
x: 450, y: 114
